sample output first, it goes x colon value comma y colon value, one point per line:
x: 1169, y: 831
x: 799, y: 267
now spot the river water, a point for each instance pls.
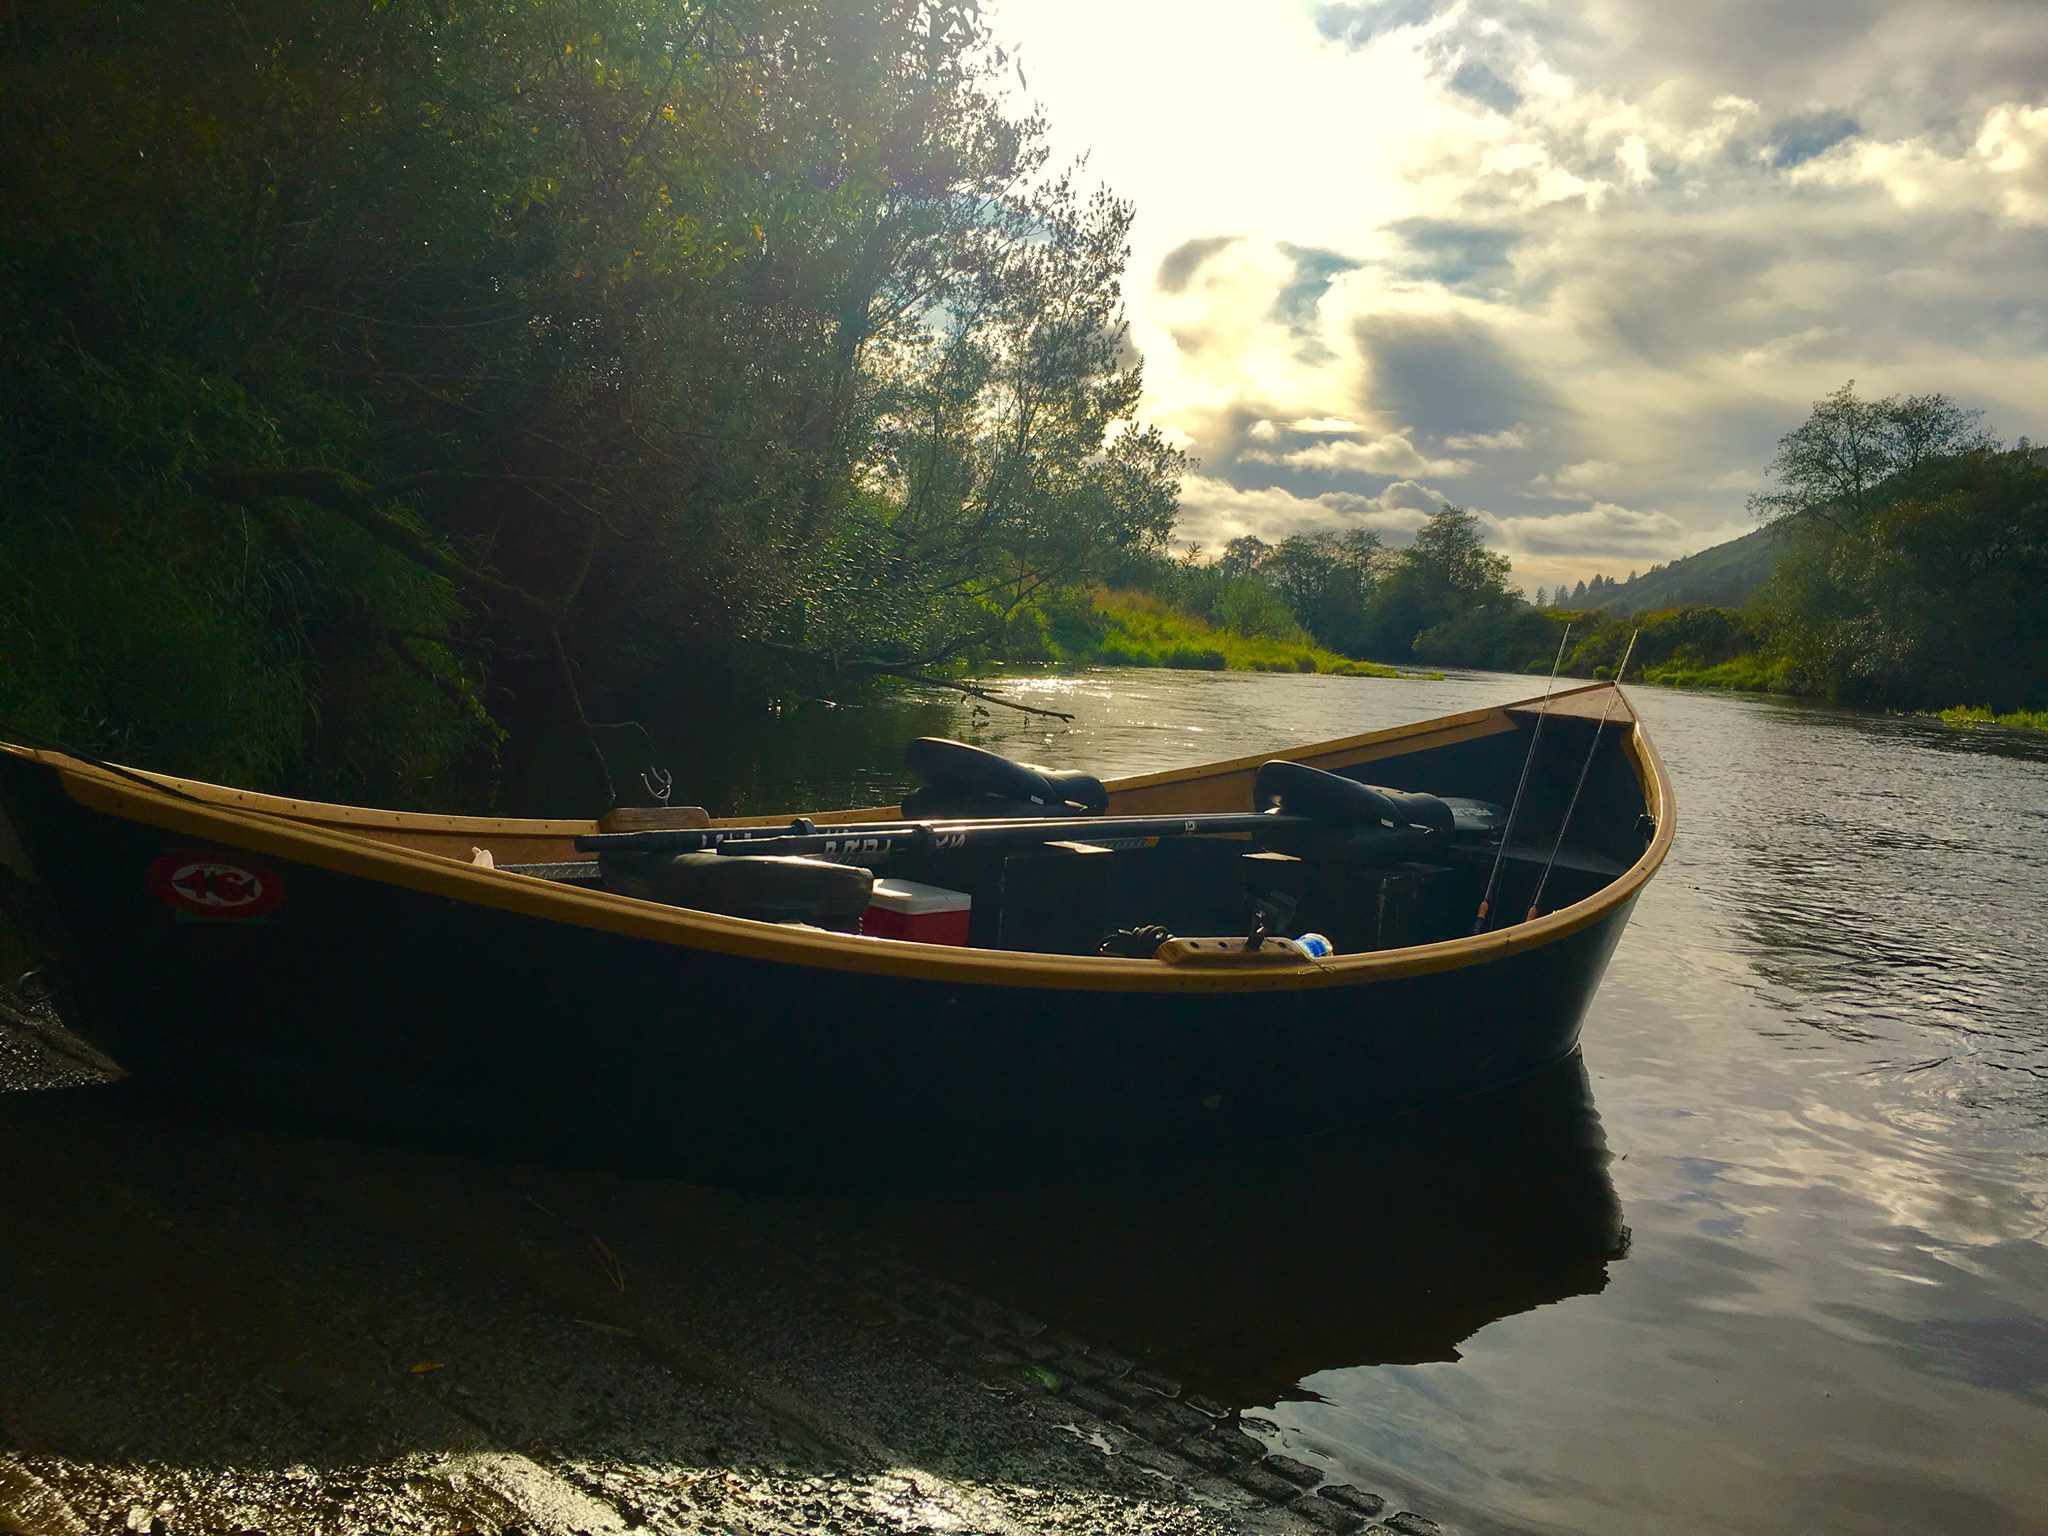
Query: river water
x: 1770, y: 1260
x: 1774, y: 1261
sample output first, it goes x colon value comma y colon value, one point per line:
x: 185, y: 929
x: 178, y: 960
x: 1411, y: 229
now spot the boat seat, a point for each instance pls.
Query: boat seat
x: 1300, y: 790
x: 654, y: 818
x: 963, y: 781
x: 1365, y: 824
x: 766, y: 889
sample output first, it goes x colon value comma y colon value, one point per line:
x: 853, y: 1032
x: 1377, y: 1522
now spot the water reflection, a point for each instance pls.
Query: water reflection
x: 1821, y: 1056
x: 1245, y: 1275
x: 1882, y: 881
x: 1822, y: 1060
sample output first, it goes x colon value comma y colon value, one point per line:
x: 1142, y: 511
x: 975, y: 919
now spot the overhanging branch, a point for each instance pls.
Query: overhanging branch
x: 364, y: 505
x: 910, y: 673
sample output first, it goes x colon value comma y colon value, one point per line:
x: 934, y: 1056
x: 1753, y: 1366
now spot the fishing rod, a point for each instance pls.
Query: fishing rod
x: 1586, y: 767
x: 1500, y: 853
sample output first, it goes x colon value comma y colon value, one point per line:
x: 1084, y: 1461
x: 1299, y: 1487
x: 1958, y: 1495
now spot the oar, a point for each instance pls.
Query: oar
x: 933, y: 836
x: 703, y: 839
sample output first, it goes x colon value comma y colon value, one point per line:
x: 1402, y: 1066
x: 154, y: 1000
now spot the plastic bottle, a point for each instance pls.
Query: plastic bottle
x: 1318, y: 947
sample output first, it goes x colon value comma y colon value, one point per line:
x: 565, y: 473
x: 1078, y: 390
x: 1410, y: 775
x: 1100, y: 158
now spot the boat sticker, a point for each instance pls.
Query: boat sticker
x: 211, y: 886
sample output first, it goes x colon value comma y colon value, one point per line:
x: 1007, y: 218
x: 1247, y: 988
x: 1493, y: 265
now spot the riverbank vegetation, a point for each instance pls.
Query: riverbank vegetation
x: 1917, y: 557
x: 1910, y: 562
x: 397, y: 386
x: 1966, y: 716
x: 1345, y: 593
x: 1101, y: 627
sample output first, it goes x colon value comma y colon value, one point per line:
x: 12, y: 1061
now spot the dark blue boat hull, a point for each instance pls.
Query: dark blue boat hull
x: 359, y: 1003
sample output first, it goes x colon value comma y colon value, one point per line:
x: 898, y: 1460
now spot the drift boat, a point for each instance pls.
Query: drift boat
x: 1010, y: 962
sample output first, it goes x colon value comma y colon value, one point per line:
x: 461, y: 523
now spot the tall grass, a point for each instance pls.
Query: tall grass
x: 1137, y: 629
x: 1749, y: 673
x: 1966, y: 716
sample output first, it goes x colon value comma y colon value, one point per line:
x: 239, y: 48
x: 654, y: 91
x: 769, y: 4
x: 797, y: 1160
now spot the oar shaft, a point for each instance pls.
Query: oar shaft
x: 931, y: 836
x: 703, y: 839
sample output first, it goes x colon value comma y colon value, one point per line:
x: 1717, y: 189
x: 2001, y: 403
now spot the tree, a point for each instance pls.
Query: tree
x: 1932, y: 598
x: 1832, y: 464
x: 396, y: 376
x: 1327, y: 580
x: 1446, y: 574
x: 1244, y: 555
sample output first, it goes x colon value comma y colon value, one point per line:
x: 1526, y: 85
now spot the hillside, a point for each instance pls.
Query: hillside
x: 1727, y: 576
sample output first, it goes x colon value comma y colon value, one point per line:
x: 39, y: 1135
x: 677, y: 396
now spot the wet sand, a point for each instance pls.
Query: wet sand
x: 211, y: 1327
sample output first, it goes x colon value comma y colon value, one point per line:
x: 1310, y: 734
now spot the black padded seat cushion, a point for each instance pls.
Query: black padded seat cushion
x: 767, y: 889
x: 964, y: 780
x: 1300, y: 790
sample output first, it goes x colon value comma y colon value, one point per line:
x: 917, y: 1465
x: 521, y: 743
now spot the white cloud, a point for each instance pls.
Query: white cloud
x: 1517, y: 436
x: 1601, y: 530
x: 1602, y: 256
x: 2003, y: 171
x: 1389, y: 455
x: 1213, y: 512
x: 1575, y: 480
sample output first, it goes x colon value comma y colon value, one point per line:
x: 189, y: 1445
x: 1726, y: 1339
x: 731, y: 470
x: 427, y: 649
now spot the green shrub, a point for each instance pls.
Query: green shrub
x: 1967, y: 716
x: 1752, y: 673
x: 1141, y: 629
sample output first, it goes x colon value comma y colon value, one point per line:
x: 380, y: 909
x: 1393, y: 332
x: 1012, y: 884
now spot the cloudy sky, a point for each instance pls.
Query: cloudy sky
x: 1576, y: 264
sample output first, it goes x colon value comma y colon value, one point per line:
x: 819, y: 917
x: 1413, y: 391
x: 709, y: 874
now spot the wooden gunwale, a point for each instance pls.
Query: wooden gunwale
x: 346, y: 840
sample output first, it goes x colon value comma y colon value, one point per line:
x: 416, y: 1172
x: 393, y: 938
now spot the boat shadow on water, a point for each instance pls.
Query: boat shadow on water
x: 238, y: 1307
x: 1244, y: 1272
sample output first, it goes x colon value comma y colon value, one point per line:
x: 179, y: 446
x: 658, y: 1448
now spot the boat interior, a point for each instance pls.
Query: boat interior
x: 1335, y: 852
x: 1404, y: 837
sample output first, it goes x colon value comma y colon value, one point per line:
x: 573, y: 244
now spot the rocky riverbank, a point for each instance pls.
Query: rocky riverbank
x: 212, y: 1328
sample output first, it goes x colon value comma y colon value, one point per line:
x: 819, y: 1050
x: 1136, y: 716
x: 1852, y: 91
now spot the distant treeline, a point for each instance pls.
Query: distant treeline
x: 396, y: 389
x: 1346, y: 592
x: 1908, y: 569
x: 1724, y: 576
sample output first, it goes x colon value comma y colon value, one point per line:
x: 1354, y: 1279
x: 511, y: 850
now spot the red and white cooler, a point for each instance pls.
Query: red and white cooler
x: 924, y: 914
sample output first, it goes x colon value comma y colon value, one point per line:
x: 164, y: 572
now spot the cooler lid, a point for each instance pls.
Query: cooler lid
x: 910, y: 897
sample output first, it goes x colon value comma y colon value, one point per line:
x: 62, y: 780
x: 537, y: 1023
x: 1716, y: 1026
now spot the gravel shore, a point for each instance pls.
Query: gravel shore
x: 209, y: 1327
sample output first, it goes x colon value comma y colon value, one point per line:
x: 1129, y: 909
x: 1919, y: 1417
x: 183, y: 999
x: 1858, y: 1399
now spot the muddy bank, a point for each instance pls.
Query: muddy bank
x: 214, y: 1328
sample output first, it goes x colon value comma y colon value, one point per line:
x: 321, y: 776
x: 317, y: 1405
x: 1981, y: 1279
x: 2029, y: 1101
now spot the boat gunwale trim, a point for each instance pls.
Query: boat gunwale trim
x: 337, y: 849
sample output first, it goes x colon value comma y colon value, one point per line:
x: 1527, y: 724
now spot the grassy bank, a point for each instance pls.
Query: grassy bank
x: 1136, y: 629
x: 1749, y: 673
x: 1968, y: 716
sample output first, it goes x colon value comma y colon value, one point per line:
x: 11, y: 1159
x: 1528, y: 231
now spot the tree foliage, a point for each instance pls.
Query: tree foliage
x: 1833, y: 464
x: 1329, y: 580
x: 410, y: 372
x: 1933, y: 595
x: 1346, y: 591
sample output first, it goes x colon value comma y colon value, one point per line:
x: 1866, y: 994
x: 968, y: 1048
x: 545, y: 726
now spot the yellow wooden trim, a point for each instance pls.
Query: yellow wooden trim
x: 327, y: 813
x: 235, y: 820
